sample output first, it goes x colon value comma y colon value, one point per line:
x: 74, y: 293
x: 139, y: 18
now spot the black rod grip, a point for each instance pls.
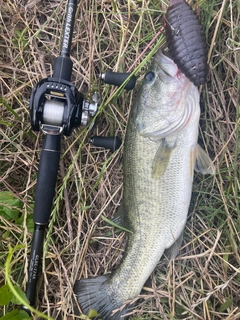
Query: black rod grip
x: 112, y: 143
x: 35, y: 260
x: 117, y: 79
x: 47, y: 177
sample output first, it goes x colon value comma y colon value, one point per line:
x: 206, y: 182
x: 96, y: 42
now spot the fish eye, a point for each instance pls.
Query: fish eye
x: 149, y: 76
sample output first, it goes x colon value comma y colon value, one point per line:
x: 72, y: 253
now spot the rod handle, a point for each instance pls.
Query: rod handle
x: 47, y: 177
x: 35, y: 260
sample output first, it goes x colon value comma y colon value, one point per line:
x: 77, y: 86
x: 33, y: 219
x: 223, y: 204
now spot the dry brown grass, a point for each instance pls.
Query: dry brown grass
x: 205, y: 277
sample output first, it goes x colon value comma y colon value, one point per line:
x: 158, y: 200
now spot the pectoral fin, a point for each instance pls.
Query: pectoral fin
x: 161, y: 159
x: 203, y: 163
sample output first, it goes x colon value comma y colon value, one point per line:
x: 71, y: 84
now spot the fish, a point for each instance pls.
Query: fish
x: 160, y: 155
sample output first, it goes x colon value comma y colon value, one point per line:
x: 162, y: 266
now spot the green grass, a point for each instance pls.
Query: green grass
x: 203, y: 282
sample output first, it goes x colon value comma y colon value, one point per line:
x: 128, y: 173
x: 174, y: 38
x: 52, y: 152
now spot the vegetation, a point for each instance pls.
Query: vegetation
x: 204, y: 280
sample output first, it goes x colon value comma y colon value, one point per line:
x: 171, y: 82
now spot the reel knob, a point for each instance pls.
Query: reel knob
x: 118, y: 78
x: 112, y: 143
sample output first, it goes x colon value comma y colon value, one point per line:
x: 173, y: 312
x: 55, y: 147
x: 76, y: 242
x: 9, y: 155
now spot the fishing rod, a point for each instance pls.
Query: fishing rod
x: 56, y: 108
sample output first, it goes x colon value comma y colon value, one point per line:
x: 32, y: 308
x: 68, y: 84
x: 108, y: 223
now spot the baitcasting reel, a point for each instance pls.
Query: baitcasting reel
x: 56, y: 107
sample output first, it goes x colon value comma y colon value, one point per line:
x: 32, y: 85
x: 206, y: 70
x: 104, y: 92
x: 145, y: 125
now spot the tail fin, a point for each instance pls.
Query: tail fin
x: 93, y: 294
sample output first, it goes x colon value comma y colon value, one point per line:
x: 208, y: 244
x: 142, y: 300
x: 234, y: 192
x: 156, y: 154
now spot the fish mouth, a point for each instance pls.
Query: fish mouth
x: 166, y: 67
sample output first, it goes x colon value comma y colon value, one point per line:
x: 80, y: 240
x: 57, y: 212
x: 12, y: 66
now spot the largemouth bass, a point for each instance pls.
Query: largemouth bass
x: 160, y: 154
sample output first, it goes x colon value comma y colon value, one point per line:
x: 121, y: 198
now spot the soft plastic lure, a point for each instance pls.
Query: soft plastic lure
x: 186, y: 41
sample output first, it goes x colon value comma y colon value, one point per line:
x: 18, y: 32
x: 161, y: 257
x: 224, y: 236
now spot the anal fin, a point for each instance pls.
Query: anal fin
x: 172, y: 251
x: 118, y: 217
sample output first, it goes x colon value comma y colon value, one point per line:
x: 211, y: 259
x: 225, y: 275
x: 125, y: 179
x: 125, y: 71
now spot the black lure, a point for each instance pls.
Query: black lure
x: 186, y: 41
